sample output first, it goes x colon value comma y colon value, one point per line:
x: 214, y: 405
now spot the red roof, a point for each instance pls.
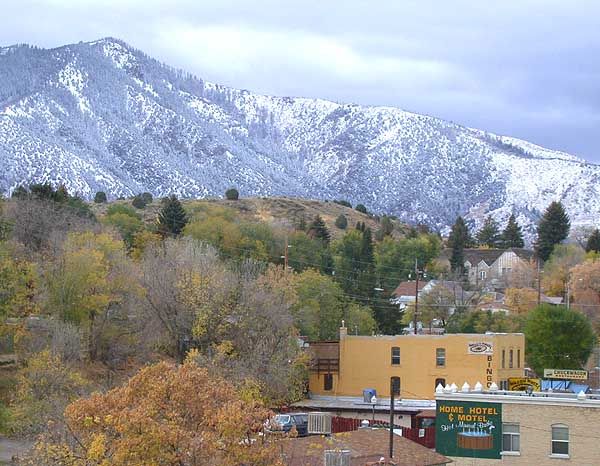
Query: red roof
x: 408, y: 288
x: 365, y: 445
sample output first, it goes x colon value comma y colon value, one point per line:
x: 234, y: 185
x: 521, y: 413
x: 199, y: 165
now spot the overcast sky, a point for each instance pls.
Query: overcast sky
x: 525, y: 68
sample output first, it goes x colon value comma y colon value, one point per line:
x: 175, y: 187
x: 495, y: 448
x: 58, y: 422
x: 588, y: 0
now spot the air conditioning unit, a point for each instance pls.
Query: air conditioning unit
x: 319, y: 423
x: 337, y: 457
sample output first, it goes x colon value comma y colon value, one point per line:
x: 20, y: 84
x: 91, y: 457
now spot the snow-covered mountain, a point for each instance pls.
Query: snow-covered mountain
x: 104, y: 116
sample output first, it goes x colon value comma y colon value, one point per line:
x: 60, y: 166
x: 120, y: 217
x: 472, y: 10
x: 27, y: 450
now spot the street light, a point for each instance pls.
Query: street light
x: 373, y: 403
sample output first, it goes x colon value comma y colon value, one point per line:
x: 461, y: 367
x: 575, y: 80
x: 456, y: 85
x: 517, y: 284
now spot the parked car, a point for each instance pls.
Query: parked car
x: 283, y: 423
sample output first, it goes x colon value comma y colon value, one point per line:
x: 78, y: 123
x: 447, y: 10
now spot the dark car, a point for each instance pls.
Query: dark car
x: 284, y: 422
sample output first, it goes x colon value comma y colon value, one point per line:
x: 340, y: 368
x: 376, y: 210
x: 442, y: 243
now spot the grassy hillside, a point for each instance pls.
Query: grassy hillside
x: 280, y: 212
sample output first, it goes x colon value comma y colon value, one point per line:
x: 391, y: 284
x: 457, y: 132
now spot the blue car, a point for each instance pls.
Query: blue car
x: 283, y: 423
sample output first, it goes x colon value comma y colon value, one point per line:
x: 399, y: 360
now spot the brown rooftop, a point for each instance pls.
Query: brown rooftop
x: 408, y: 288
x: 365, y: 445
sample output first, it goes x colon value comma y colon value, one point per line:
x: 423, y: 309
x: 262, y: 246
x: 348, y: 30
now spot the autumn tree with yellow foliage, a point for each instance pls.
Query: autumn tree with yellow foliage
x: 521, y: 300
x: 166, y: 414
x: 91, y: 278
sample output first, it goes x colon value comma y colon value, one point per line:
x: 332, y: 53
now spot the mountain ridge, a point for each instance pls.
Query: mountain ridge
x: 102, y: 115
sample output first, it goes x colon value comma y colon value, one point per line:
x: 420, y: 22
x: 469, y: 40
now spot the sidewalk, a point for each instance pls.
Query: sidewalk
x: 12, y: 447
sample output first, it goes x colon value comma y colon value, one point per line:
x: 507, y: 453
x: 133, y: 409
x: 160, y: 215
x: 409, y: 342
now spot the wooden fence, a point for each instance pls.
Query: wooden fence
x: 425, y: 436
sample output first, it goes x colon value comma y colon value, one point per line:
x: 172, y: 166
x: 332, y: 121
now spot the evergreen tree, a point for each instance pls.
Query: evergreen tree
x: 172, y: 217
x: 386, y: 226
x: 361, y: 208
x: 489, y: 235
x: 318, y: 230
x: 100, y: 197
x: 366, y: 265
x: 301, y: 223
x: 341, y: 222
x: 593, y: 242
x: 20, y: 192
x: 344, y: 203
x: 459, y: 239
x: 232, y: 194
x: 552, y: 230
x: 139, y: 202
x: 147, y: 197
x: 512, y: 236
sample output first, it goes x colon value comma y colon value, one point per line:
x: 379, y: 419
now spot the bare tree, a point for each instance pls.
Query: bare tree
x: 167, y: 269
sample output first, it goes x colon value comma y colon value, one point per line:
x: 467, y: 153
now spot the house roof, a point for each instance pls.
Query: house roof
x: 365, y: 445
x: 408, y: 288
x: 489, y: 256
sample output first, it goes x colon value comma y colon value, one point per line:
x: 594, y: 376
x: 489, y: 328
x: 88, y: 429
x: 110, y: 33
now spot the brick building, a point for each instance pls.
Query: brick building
x: 514, y: 428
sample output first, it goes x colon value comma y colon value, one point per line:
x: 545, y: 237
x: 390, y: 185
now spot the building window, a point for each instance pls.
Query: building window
x: 395, y: 356
x: 482, y: 275
x: 503, y: 359
x: 504, y: 385
x: 510, y: 359
x: 395, y: 382
x: 441, y: 382
x: 560, y: 439
x: 519, y: 358
x: 440, y: 357
x: 328, y: 382
x: 511, y: 438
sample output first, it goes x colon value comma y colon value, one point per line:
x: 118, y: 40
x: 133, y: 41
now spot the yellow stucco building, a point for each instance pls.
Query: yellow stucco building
x: 419, y: 362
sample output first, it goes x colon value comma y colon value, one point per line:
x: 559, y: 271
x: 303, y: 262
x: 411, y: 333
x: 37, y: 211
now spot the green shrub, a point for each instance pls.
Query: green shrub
x: 100, y: 197
x: 138, y: 202
x: 341, y: 222
x: 232, y: 194
x: 361, y: 208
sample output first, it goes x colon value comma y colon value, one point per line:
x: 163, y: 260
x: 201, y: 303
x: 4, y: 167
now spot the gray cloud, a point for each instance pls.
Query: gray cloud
x: 524, y: 68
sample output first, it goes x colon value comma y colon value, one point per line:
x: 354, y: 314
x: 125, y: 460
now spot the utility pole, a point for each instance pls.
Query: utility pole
x: 392, y: 393
x: 416, y: 296
x: 285, y: 255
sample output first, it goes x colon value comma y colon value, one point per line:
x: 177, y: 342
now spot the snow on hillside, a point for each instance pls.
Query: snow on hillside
x: 104, y: 116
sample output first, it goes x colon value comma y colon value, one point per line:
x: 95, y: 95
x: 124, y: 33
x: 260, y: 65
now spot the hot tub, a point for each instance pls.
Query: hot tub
x: 475, y: 440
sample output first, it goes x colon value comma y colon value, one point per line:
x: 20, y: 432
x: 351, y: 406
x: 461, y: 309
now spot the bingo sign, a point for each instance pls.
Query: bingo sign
x: 468, y: 429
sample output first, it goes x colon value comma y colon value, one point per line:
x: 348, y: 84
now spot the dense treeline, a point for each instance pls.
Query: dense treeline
x: 88, y: 294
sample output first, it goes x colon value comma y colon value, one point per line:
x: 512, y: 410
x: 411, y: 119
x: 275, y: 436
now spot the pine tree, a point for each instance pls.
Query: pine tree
x: 232, y: 194
x: 387, y: 227
x: 593, y: 242
x: 318, y: 230
x: 172, y: 217
x: 341, y: 222
x: 459, y: 239
x: 100, y: 197
x: 512, y: 236
x: 553, y: 229
x: 366, y: 265
x: 361, y: 208
x: 138, y: 202
x: 489, y: 234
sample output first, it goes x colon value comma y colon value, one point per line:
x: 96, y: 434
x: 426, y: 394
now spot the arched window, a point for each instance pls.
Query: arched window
x: 560, y: 439
x: 395, y: 356
x: 441, y: 382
